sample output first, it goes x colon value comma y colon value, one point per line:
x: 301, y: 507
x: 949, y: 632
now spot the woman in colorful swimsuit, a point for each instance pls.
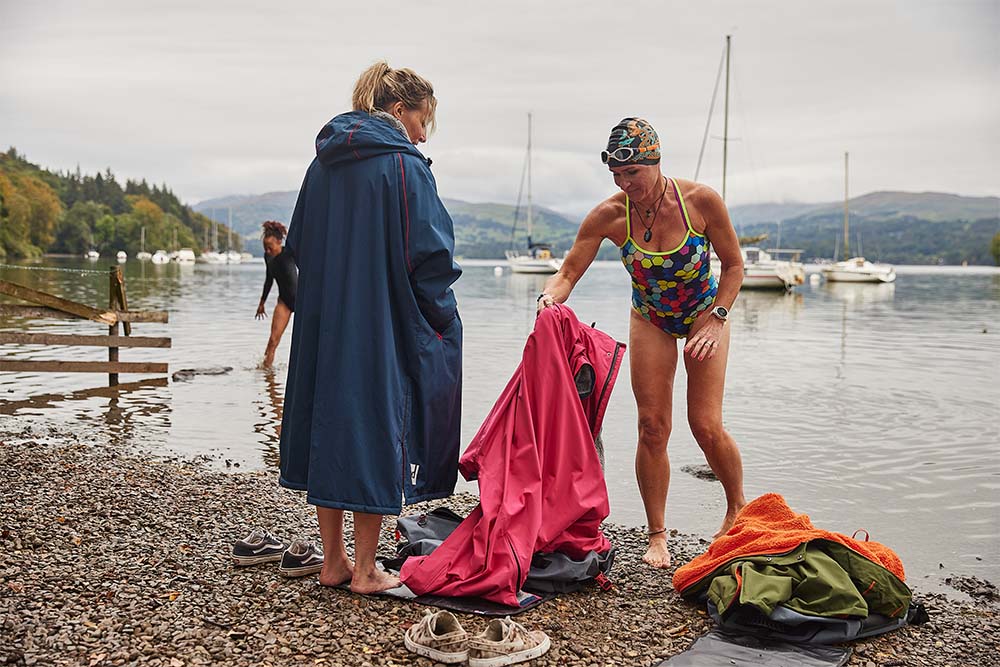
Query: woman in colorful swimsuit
x: 664, y: 227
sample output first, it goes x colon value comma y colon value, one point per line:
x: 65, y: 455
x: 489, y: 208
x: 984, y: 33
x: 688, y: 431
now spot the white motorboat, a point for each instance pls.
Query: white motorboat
x: 160, y: 257
x: 92, y: 255
x: 537, y: 257
x: 246, y: 257
x: 122, y: 256
x: 762, y: 271
x: 212, y: 257
x: 856, y: 269
x: 859, y: 270
x: 184, y: 256
x: 537, y: 260
x: 233, y: 257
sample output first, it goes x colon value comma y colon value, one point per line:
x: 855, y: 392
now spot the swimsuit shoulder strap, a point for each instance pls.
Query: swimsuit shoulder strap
x: 683, y: 206
x: 628, y: 219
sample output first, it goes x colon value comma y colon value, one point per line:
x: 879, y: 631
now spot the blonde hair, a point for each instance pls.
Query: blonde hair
x: 380, y: 86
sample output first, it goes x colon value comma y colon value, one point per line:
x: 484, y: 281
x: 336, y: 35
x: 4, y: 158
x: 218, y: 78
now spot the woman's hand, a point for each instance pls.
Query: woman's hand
x: 261, y: 313
x: 544, y: 301
x: 704, y: 343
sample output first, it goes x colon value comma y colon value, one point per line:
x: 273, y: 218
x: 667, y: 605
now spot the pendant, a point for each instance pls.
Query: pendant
x: 648, y: 235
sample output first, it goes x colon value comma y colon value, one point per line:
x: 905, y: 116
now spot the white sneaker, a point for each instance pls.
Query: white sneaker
x: 505, y: 642
x: 438, y: 636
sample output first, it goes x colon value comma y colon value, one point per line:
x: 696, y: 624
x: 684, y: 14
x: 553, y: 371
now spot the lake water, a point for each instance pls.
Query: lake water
x: 871, y: 407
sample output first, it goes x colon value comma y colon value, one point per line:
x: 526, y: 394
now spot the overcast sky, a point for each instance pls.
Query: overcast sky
x: 217, y: 98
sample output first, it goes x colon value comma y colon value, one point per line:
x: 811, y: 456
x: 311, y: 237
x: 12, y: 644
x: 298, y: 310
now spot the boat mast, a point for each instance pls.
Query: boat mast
x: 529, y: 180
x: 847, y: 252
x: 229, y: 239
x: 725, y: 127
x: 142, y: 239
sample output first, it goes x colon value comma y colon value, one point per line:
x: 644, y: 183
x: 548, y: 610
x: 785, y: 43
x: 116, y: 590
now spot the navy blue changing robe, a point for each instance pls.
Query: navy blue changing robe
x: 373, y: 397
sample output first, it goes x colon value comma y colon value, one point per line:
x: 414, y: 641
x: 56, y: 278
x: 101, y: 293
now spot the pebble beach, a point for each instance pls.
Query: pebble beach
x: 114, y: 556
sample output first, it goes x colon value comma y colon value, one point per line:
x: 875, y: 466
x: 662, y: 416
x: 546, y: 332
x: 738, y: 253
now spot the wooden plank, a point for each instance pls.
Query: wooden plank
x: 58, y: 303
x: 40, y: 312
x: 7, y: 338
x: 160, y: 316
x: 29, y: 366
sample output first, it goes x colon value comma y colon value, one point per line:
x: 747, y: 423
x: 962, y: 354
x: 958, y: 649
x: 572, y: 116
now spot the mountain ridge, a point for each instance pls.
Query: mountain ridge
x: 901, y: 225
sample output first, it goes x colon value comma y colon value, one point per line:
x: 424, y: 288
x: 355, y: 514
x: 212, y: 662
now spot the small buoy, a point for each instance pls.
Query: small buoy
x: 498, y: 270
x: 814, y: 279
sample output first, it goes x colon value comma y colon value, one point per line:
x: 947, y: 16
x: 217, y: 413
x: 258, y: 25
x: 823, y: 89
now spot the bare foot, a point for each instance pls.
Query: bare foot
x: 657, y: 554
x: 728, y: 522
x: 375, y: 581
x: 336, y: 571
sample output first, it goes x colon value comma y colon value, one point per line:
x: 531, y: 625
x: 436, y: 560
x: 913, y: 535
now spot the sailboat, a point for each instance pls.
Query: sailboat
x: 92, y: 255
x: 142, y: 255
x: 761, y: 269
x: 213, y: 256
x: 537, y: 257
x: 232, y: 256
x: 856, y: 269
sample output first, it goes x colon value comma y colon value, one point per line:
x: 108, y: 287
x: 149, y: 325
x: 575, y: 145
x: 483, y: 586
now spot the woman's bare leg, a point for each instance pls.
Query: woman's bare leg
x: 367, y: 577
x: 706, y: 386
x: 337, y: 567
x: 279, y: 320
x: 653, y: 361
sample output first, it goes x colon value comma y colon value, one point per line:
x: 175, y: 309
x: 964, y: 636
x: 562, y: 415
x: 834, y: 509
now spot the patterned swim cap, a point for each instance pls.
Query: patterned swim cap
x: 639, y: 140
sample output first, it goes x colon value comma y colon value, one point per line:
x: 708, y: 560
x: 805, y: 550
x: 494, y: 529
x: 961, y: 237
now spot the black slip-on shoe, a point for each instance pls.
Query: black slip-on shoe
x: 259, y: 546
x: 300, y: 559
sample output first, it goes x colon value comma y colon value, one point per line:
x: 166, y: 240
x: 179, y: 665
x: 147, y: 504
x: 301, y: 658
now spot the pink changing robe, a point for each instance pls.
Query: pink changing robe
x: 541, y: 485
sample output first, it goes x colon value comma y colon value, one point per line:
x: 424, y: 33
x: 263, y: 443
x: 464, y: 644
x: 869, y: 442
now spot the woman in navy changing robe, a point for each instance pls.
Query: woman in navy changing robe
x: 373, y: 399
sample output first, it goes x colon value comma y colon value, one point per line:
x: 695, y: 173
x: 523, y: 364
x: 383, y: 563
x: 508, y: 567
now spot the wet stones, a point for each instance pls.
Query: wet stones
x: 150, y: 581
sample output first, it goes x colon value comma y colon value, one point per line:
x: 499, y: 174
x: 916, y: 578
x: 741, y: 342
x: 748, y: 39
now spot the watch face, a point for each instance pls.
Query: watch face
x: 722, y: 310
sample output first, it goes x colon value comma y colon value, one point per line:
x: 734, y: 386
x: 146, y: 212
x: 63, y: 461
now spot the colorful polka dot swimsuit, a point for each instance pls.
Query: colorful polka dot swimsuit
x: 670, y: 289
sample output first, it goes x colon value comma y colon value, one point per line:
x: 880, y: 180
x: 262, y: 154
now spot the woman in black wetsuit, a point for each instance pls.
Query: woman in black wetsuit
x: 281, y: 269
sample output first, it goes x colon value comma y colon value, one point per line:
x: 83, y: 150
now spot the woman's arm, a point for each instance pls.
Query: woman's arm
x: 721, y: 233
x: 268, y: 280
x: 579, y: 258
x: 704, y: 343
x: 430, y: 245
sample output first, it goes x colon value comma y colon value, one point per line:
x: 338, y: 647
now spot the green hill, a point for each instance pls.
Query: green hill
x: 931, y: 206
x: 45, y: 211
x: 482, y: 231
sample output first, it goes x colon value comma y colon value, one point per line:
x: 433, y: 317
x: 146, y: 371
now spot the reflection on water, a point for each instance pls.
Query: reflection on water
x: 866, y: 406
x: 269, y: 406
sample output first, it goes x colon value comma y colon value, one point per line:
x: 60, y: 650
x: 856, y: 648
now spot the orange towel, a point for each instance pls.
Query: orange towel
x: 768, y: 525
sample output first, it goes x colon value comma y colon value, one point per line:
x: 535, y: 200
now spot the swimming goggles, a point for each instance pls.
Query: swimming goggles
x: 625, y: 154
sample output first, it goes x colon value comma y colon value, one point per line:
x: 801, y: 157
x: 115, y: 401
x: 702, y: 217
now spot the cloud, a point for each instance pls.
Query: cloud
x: 227, y: 97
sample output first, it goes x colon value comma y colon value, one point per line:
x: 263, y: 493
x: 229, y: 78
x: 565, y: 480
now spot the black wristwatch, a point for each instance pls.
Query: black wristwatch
x: 721, y: 312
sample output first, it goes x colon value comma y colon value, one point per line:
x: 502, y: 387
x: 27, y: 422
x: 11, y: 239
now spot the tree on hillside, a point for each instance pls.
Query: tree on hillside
x: 45, y: 207
x: 75, y: 233
x: 31, y: 210
x: 996, y: 249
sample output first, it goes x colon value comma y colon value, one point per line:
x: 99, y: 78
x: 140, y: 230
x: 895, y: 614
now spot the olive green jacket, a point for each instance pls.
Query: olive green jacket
x: 817, y: 578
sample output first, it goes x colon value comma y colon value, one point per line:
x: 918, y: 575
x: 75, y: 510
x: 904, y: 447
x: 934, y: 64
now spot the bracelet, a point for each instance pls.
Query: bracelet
x: 541, y: 296
x: 655, y: 532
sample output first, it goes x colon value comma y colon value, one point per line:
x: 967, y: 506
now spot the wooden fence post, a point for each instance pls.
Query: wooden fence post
x: 114, y: 277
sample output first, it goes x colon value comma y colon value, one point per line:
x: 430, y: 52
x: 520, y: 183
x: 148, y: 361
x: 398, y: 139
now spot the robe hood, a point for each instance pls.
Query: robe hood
x: 357, y: 135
